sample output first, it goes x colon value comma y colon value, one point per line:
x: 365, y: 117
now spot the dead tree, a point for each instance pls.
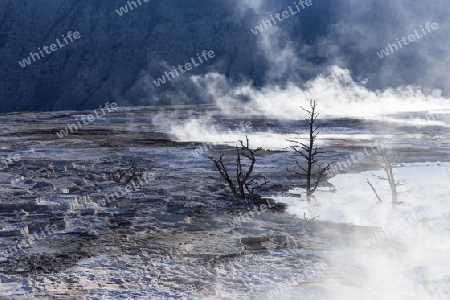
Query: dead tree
x: 243, y: 187
x: 314, y: 174
x: 131, y: 174
x: 388, y: 162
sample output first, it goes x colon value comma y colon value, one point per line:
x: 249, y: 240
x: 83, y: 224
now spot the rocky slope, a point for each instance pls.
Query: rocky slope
x: 118, y: 57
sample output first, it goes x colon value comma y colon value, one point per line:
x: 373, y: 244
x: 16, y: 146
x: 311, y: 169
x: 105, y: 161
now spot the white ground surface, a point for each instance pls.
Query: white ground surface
x: 419, y: 267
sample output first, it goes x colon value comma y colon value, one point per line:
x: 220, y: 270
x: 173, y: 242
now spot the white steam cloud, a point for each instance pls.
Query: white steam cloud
x: 336, y: 92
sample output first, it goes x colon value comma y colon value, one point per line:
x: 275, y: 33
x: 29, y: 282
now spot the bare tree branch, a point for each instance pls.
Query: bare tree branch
x: 245, y: 185
x: 223, y: 172
x: 375, y: 192
x: 132, y: 174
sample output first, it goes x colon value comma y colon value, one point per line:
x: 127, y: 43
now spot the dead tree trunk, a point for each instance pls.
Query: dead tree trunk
x: 312, y: 118
x: 245, y: 186
x: 387, y: 164
x: 309, y: 153
x: 387, y: 167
